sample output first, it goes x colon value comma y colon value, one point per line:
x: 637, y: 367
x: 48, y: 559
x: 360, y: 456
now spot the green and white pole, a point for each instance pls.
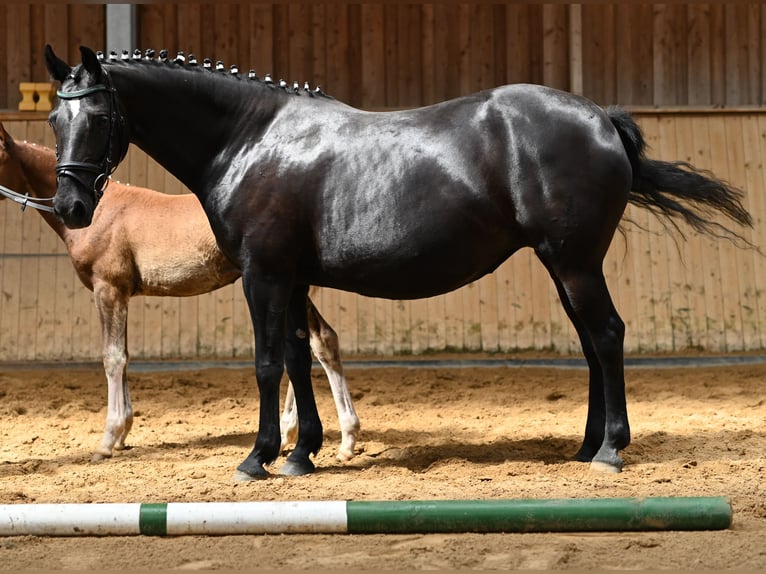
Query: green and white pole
x: 366, y: 517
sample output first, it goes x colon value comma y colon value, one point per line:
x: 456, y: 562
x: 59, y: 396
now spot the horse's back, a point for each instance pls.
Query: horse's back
x: 469, y: 182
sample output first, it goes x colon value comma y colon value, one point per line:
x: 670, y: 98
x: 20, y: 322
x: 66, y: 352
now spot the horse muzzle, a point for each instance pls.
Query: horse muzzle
x: 73, y: 205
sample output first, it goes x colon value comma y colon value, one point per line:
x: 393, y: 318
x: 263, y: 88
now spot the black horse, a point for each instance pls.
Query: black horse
x: 302, y: 189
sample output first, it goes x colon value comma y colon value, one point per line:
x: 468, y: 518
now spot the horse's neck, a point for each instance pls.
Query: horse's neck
x: 187, y: 121
x: 161, y: 130
x: 38, y: 164
x: 39, y: 167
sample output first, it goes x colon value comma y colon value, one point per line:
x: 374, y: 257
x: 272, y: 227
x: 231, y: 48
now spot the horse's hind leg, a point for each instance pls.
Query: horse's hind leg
x: 586, y: 299
x: 596, y: 419
x: 112, y: 307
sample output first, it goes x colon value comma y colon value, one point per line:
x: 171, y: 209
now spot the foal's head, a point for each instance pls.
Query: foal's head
x: 91, y: 136
x: 11, y: 174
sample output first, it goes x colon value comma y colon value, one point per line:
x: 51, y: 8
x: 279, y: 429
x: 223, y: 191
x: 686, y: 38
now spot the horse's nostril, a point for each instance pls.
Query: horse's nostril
x: 81, y: 214
x: 78, y: 210
x: 75, y: 215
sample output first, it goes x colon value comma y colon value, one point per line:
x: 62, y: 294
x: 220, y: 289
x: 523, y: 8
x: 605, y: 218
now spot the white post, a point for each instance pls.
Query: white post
x: 575, y: 49
x: 120, y: 27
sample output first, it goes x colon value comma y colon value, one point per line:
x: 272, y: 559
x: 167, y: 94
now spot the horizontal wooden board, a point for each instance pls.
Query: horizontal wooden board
x: 396, y: 54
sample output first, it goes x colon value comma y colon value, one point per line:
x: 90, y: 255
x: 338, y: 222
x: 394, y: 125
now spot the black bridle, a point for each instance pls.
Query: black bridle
x: 107, y: 166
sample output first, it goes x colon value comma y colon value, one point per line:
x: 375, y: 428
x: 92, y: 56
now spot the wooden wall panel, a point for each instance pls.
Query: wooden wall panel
x: 17, y: 51
x: 28, y: 27
x: 699, y: 54
x: 395, y: 55
x: 556, y: 46
x: 674, y: 294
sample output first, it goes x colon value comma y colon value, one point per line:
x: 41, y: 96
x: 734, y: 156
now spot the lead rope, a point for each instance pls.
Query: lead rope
x: 25, y: 201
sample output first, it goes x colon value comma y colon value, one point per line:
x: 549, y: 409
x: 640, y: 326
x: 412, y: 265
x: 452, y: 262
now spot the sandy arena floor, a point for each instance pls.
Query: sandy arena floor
x: 428, y: 433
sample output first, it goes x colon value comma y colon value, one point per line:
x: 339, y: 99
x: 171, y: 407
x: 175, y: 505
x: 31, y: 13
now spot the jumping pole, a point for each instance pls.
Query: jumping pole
x: 366, y: 517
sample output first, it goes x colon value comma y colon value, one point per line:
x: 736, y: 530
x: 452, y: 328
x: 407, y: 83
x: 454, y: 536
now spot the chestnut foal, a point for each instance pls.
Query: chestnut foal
x: 122, y: 254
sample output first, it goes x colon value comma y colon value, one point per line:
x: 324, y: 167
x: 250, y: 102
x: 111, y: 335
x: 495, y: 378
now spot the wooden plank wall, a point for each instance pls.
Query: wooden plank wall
x: 28, y: 27
x: 673, y: 294
x: 394, y: 55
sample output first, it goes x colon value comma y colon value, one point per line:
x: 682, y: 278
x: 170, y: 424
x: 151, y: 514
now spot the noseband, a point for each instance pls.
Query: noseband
x: 107, y: 166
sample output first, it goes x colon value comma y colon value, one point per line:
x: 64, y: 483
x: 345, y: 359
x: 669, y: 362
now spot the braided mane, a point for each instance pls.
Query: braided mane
x: 191, y: 62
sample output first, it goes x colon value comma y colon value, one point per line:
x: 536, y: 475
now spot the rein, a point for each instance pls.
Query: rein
x: 24, y: 200
x: 107, y: 167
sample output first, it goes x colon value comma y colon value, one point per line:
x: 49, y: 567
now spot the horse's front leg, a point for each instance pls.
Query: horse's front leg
x: 112, y: 307
x: 267, y: 301
x: 298, y: 361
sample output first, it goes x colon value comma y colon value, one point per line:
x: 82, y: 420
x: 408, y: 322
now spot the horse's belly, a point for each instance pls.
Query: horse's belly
x: 404, y: 282
x: 405, y: 273
x: 184, y: 274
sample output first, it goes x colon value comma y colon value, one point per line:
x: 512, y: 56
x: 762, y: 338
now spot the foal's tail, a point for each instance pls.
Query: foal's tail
x: 678, y: 189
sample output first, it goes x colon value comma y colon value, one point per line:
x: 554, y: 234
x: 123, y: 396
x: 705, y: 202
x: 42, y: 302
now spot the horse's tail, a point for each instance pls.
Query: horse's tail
x: 678, y: 189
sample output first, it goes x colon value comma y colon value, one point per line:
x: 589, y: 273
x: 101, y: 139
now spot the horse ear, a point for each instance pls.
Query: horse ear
x: 57, y: 68
x: 90, y: 63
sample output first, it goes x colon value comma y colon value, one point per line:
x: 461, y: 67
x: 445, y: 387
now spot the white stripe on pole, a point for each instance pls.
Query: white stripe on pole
x: 256, y: 517
x: 69, y: 519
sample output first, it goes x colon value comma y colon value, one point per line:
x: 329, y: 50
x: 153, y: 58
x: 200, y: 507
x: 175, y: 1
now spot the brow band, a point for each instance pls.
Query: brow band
x: 82, y: 93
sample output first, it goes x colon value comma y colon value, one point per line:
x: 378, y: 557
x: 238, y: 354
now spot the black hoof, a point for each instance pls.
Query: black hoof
x: 295, y: 468
x: 250, y: 470
x: 606, y: 462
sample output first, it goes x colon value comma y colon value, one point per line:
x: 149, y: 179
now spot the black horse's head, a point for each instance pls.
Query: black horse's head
x: 91, y: 136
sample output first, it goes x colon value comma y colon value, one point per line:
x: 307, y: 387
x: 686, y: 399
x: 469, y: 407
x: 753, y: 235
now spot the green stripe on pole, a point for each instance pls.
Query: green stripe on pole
x: 551, y: 515
x: 153, y: 519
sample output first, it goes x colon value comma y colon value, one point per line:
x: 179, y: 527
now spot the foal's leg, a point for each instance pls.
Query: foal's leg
x: 591, y: 306
x: 120, y: 444
x: 112, y: 307
x: 288, y: 424
x: 326, y: 347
